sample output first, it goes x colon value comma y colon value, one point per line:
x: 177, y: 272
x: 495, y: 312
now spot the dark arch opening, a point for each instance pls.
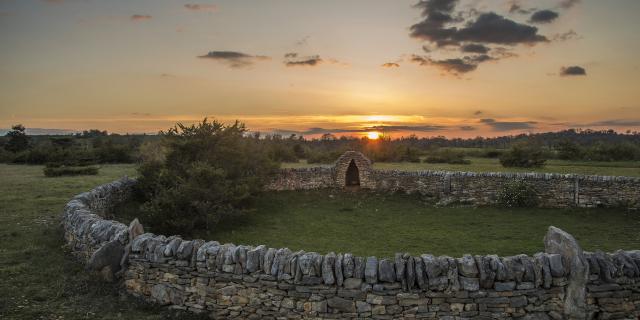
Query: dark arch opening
x: 353, y: 175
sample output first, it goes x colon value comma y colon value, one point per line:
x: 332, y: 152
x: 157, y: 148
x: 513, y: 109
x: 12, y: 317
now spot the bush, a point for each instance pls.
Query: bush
x: 447, y: 156
x: 58, y: 171
x: 518, y: 193
x: 209, y: 171
x: 524, y: 156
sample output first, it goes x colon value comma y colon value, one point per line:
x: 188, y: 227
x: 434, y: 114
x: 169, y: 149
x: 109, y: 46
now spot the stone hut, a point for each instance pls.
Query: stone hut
x: 354, y: 170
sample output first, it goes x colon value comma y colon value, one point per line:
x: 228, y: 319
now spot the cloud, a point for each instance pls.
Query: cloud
x: 201, y: 7
x: 292, y: 59
x: 508, y: 125
x: 474, y: 48
x: 141, y: 17
x: 467, y: 128
x: 234, y: 59
x: 616, y: 123
x: 488, y: 28
x: 390, y: 65
x: 478, y: 112
x: 516, y: 7
x: 53, y: 1
x: 566, y: 36
x: 455, y: 66
x: 543, y: 16
x: 568, y: 4
x: 572, y: 71
x: 471, y: 31
x: 303, y: 41
x: 420, y: 128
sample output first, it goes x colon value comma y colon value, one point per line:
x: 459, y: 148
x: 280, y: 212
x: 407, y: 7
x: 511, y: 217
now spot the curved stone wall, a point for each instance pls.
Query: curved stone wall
x: 254, y: 282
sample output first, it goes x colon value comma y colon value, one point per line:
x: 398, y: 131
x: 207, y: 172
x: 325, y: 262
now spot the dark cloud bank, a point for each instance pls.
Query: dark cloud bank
x: 480, y: 36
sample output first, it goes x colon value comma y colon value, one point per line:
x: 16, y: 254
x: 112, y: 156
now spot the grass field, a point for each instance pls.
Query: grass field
x: 626, y: 168
x: 38, y: 279
x: 371, y: 224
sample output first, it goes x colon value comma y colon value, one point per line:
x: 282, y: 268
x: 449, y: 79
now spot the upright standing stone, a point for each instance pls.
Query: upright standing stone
x: 371, y: 270
x: 559, y: 242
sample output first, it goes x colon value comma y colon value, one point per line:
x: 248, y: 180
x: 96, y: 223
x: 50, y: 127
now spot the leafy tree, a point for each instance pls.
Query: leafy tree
x: 209, y: 171
x: 17, y: 139
x: 569, y: 150
x: 524, y: 156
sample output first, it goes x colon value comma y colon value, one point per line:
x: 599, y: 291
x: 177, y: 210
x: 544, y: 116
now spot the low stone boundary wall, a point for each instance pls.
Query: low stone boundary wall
x: 255, y: 282
x: 554, y: 190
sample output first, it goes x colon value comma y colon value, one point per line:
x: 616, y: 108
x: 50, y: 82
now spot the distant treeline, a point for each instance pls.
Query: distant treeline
x: 86, y: 148
x: 95, y: 146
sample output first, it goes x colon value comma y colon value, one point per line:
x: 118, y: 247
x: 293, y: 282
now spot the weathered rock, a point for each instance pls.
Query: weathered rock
x: 348, y: 265
x: 253, y: 258
x: 560, y: 242
x: 469, y: 284
x: 135, y: 229
x: 371, y: 270
x: 328, y: 263
x: 555, y: 265
x: 110, y: 254
x: 421, y: 276
x: 467, y: 266
x: 400, y: 265
x: 341, y: 304
x: 338, y: 269
x: 386, y: 272
x: 359, y: 266
x: 268, y: 260
x: 411, y: 272
x: 184, y: 250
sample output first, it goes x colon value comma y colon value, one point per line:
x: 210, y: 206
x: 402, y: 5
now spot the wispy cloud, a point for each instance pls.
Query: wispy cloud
x: 508, y: 125
x: 234, y: 59
x: 141, y: 17
x: 201, y: 7
x: 390, y: 65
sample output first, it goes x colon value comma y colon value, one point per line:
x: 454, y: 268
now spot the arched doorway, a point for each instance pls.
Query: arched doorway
x: 352, y: 177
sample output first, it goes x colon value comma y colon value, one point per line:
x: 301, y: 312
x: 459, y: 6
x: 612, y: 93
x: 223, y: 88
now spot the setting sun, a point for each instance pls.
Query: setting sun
x: 373, y: 135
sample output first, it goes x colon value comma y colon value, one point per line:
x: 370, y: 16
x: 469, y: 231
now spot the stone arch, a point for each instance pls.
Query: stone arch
x: 350, y: 164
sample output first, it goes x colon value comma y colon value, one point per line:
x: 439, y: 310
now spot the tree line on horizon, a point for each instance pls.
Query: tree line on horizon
x: 99, y: 146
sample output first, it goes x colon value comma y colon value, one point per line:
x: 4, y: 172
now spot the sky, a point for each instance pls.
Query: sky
x: 460, y: 68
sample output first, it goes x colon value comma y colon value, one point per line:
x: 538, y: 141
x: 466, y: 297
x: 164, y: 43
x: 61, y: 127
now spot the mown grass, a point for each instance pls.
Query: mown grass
x: 622, y: 168
x: 372, y: 224
x: 38, y: 278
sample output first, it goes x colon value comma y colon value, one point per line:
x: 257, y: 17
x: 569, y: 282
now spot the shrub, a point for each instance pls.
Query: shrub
x: 17, y: 139
x: 568, y: 150
x: 57, y: 171
x: 518, y: 193
x: 209, y: 171
x: 524, y: 156
x: 447, y: 156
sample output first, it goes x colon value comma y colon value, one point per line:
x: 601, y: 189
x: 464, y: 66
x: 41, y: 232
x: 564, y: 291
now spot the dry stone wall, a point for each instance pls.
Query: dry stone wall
x: 258, y: 282
x: 553, y: 190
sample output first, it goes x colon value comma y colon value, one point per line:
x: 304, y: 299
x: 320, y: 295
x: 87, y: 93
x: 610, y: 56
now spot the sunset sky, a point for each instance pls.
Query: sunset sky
x: 435, y: 67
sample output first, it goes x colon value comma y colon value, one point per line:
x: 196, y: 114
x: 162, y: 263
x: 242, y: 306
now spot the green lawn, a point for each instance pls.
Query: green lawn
x: 623, y: 168
x: 38, y: 278
x: 370, y: 224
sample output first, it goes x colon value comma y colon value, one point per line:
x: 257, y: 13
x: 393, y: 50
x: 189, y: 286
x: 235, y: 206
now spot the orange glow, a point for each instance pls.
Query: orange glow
x: 373, y: 135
